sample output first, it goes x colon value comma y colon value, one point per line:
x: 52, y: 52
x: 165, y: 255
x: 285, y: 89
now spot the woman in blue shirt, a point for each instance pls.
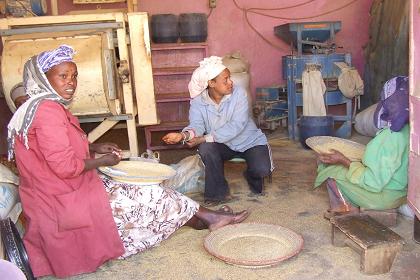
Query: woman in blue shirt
x: 221, y: 126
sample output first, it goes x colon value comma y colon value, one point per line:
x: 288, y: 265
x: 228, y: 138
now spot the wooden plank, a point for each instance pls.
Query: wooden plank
x: 54, y: 7
x: 379, y: 259
x: 142, y: 72
x: 101, y: 129
x: 127, y: 88
x: 365, y: 231
x: 130, y: 6
x: 35, y: 36
x: 96, y: 11
x: 7, y: 23
x: 386, y: 217
x: 376, y: 244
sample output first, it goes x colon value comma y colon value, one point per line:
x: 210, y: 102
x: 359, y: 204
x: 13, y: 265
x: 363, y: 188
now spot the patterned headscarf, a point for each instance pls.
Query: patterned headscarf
x: 209, y: 68
x: 38, y: 88
x: 49, y: 59
x: 392, y: 110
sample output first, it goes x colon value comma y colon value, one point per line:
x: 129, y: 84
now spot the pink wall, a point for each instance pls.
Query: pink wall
x: 414, y: 163
x: 228, y: 30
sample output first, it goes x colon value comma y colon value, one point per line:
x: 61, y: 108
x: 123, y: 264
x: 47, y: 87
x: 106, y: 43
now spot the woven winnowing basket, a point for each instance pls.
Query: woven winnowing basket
x: 138, y: 171
x: 323, y: 144
x: 253, y: 245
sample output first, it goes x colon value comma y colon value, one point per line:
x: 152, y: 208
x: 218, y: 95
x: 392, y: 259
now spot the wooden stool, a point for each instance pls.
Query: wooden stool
x: 376, y: 244
x: 386, y: 217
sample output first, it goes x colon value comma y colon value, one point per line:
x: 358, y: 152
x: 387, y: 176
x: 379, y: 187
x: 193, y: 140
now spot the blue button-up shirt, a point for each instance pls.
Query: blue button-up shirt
x: 228, y: 122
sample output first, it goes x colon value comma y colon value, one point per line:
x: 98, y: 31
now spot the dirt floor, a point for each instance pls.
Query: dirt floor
x: 290, y: 201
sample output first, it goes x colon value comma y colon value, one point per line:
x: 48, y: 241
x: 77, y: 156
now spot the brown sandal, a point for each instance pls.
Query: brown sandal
x: 212, y: 203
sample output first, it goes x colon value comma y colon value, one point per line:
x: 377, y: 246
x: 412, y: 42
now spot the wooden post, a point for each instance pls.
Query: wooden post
x: 101, y: 129
x: 130, y: 6
x: 142, y: 72
x: 54, y: 8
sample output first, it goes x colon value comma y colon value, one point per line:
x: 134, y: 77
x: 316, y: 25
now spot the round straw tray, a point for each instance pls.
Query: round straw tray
x: 253, y: 245
x: 139, y: 172
x: 323, y: 144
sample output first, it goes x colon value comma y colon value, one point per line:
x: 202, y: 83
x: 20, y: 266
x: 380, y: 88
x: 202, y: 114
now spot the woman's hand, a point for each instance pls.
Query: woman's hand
x: 172, y: 138
x: 335, y: 157
x: 105, y: 148
x: 105, y: 160
x: 196, y: 141
x: 110, y: 159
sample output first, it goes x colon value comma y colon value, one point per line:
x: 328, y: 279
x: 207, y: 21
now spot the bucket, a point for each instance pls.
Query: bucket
x: 164, y: 28
x: 193, y: 27
x: 314, y: 126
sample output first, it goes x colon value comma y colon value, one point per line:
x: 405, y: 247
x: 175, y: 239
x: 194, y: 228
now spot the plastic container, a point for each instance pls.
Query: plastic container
x: 314, y: 126
x: 164, y: 28
x: 193, y: 27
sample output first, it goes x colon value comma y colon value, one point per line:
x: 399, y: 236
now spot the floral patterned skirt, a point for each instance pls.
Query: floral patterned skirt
x: 146, y: 215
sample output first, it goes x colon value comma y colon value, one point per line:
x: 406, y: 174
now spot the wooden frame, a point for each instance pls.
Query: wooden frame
x: 139, y: 81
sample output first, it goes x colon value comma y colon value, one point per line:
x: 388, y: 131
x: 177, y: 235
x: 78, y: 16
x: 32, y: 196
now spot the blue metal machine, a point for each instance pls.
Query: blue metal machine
x: 270, y: 108
x: 317, y: 38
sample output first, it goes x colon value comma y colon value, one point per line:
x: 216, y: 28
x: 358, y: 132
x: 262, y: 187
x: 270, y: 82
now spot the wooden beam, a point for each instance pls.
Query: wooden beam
x: 130, y: 7
x: 97, y: 11
x: 100, y: 130
x: 54, y: 8
x: 142, y: 72
x: 44, y: 20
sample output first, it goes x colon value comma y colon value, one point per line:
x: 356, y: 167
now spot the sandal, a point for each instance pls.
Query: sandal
x: 212, y: 203
x: 329, y: 214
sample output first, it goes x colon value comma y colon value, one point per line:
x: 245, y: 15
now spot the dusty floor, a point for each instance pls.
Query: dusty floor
x: 291, y: 202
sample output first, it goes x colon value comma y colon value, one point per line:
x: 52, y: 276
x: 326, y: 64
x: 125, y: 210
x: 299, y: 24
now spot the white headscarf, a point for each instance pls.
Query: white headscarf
x: 209, y: 68
x: 38, y: 88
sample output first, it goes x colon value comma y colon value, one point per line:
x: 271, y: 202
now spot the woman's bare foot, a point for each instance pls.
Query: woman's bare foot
x: 227, y: 219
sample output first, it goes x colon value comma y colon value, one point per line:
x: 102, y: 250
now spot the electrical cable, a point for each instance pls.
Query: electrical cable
x: 211, y: 11
x: 307, y: 17
x: 256, y: 11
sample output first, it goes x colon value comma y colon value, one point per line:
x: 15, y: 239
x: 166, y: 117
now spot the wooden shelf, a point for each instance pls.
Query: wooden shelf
x: 172, y: 97
x: 178, y: 46
x: 172, y: 64
x: 173, y: 71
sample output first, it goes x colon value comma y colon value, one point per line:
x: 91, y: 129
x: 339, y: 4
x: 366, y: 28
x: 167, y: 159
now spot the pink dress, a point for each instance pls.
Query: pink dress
x: 70, y: 228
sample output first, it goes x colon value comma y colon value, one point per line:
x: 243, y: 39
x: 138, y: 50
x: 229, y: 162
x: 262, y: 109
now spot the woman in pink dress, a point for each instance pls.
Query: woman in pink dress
x: 71, y: 227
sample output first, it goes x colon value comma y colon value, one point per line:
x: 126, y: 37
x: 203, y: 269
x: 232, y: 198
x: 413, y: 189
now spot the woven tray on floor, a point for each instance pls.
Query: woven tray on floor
x: 323, y: 144
x: 253, y: 245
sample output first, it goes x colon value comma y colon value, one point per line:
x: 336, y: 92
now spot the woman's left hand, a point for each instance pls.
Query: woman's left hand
x: 335, y: 157
x: 105, y: 148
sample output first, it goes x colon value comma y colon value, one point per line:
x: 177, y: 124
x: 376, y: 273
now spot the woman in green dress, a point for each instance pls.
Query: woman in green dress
x: 379, y: 181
